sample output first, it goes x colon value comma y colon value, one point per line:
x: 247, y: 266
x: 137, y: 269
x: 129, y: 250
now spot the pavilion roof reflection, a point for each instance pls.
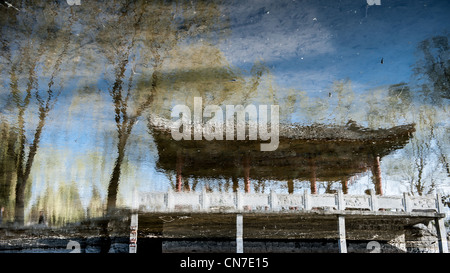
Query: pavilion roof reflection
x: 315, y: 152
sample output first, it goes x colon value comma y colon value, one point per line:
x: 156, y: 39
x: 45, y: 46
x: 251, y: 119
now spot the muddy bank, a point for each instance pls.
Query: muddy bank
x: 216, y: 233
x: 101, y: 235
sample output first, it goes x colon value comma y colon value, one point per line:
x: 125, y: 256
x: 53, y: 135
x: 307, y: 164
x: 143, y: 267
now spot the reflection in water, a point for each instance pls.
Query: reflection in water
x: 81, y: 84
x: 314, y: 153
x: 52, y: 47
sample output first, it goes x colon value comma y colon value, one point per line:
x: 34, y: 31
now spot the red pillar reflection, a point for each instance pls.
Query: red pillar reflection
x: 247, y: 174
x: 312, y: 165
x: 234, y: 179
x: 186, y: 185
x: 376, y: 171
x: 179, y: 166
x: 345, y: 186
x: 290, y: 185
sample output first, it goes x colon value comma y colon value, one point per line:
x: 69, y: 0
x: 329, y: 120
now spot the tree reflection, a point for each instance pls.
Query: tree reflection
x: 427, y: 150
x: 8, y: 151
x: 61, y: 207
x: 42, y: 44
x: 434, y: 66
x: 136, y: 44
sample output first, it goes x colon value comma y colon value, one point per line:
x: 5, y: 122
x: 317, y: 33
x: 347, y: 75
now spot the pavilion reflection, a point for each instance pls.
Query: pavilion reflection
x: 306, y: 153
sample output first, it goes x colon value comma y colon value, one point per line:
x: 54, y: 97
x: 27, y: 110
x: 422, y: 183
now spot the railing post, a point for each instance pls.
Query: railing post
x: 169, y: 200
x: 340, y: 200
x: 407, y: 202
x: 135, y: 202
x: 440, y: 227
x: 439, y: 205
x: 341, y: 223
x: 373, y: 201
x: 273, y: 201
x: 132, y: 248
x: 239, y: 234
x: 133, y: 233
x: 442, y: 236
x: 306, y: 200
x: 239, y: 200
x: 342, y: 240
x: 203, y: 200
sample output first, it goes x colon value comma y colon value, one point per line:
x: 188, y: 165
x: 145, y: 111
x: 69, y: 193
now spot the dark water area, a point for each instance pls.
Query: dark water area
x: 88, y: 88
